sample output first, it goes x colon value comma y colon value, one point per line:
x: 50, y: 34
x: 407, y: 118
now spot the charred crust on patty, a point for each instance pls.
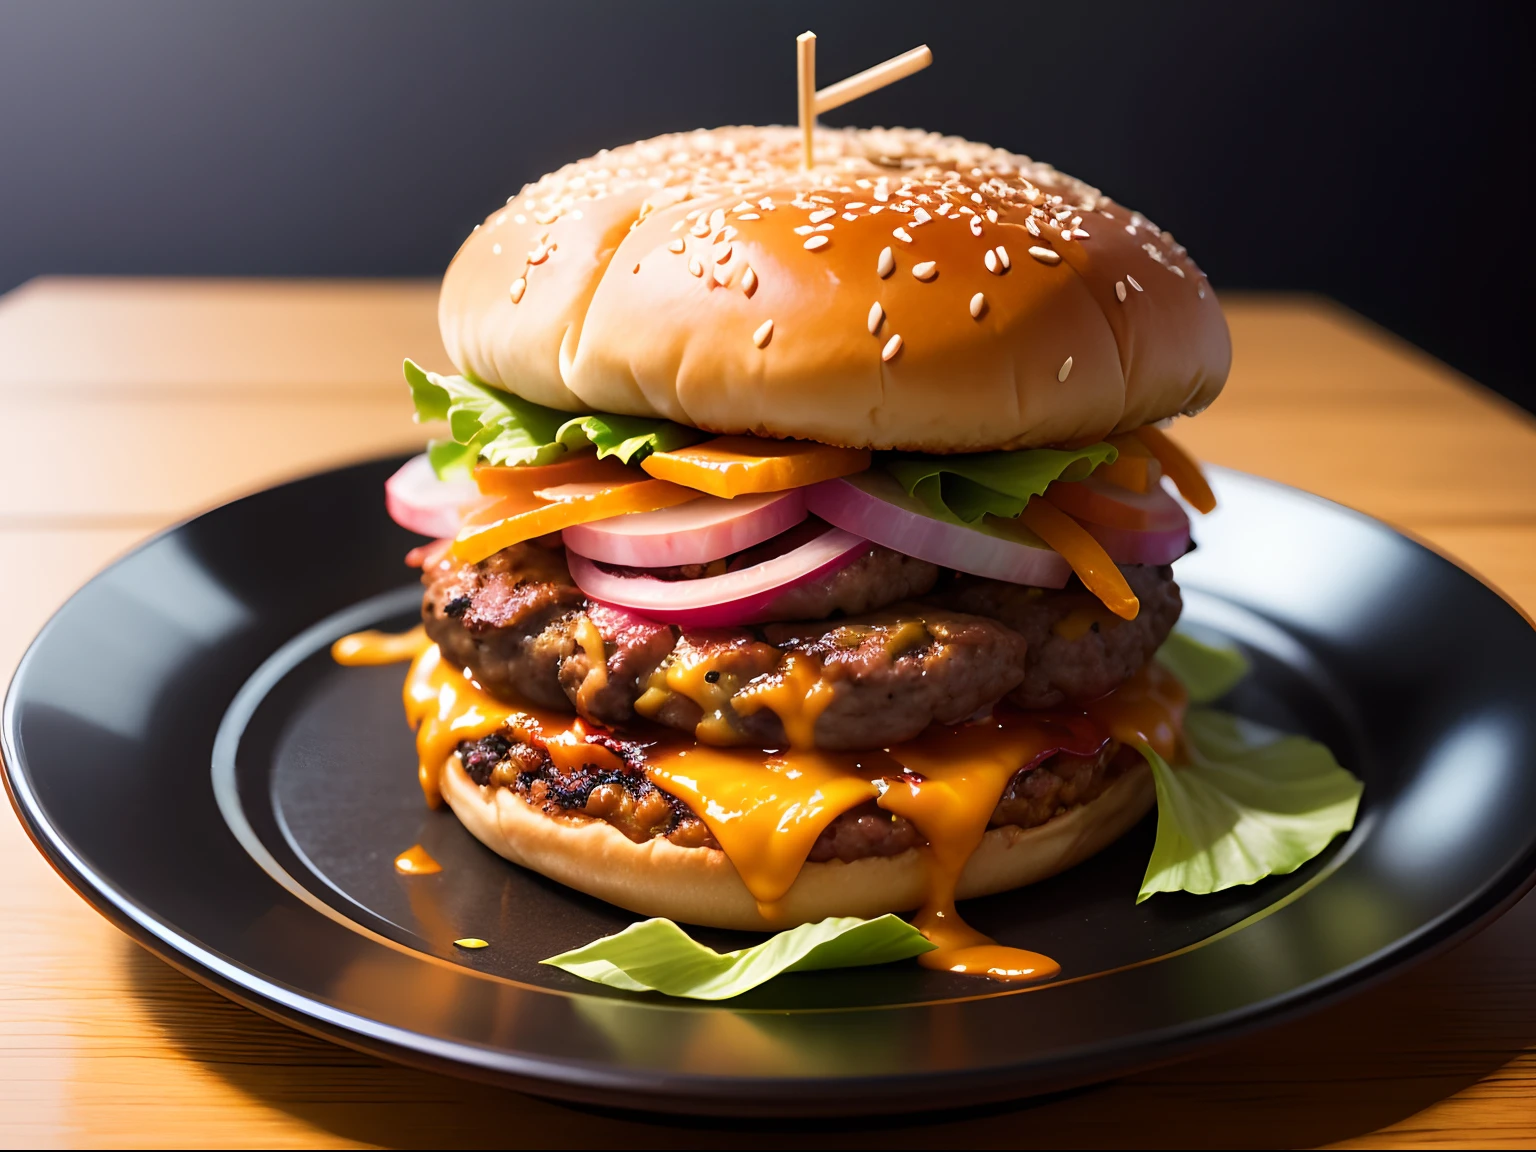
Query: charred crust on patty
x: 623, y: 797
x: 627, y: 799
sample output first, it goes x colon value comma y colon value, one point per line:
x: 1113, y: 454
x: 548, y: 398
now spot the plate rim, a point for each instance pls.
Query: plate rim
x: 653, y: 1090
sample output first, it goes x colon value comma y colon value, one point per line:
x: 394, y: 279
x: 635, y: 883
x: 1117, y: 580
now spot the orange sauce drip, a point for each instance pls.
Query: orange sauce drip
x: 363, y: 648
x: 416, y: 861
x: 1148, y: 708
x: 766, y: 809
x: 798, y: 694
x: 955, y: 778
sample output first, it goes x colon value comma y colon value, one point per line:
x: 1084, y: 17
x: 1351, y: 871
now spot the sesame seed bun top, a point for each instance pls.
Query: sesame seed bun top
x: 911, y: 291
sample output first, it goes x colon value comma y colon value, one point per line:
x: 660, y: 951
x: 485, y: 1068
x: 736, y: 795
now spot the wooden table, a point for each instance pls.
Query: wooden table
x: 126, y: 405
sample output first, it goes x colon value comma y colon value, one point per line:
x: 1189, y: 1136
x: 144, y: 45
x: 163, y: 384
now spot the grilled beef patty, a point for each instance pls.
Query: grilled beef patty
x: 628, y: 800
x: 527, y: 632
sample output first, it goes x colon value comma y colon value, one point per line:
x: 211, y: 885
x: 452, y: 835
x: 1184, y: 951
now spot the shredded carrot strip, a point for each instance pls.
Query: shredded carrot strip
x: 1180, y: 467
x: 1086, y: 555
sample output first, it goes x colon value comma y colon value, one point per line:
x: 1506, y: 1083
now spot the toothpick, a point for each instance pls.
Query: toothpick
x: 814, y: 103
x: 894, y: 69
x: 805, y: 48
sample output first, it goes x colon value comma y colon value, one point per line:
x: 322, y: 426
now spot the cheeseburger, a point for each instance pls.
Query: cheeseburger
x: 805, y: 535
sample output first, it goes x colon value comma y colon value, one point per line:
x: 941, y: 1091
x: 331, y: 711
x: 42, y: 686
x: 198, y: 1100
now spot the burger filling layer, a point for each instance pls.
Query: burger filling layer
x: 884, y: 648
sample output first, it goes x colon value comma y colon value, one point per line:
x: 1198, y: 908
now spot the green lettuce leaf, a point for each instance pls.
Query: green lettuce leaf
x: 500, y: 428
x: 1208, y: 670
x: 995, y: 483
x: 1251, y: 803
x: 657, y: 955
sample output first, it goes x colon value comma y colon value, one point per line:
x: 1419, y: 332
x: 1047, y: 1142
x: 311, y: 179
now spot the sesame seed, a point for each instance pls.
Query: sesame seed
x: 1120, y: 290
x: 992, y: 215
x: 920, y: 217
x: 742, y: 207
x: 495, y: 249
x: 978, y: 305
x: 1079, y: 233
x: 1066, y: 367
x: 700, y: 228
x: 815, y: 242
x: 766, y: 203
x: 717, y: 220
x: 677, y: 227
x: 882, y: 194
x: 725, y: 234
x: 822, y: 214
x: 677, y: 246
x: 850, y: 216
x: 749, y: 216
x: 1176, y: 270
x: 902, y: 235
x: 1029, y: 223
x: 892, y: 346
x: 804, y: 230
x: 749, y: 281
x: 976, y: 198
x: 944, y: 208
x: 927, y: 270
x: 722, y: 274
x: 519, y: 219
x: 887, y: 263
x: 852, y: 204
x: 1200, y: 291
x: 990, y: 260
x: 695, y: 214
x: 1044, y: 255
x: 519, y: 286
x: 1002, y: 257
x: 1131, y: 228
x: 825, y: 227
x: 1131, y: 280
x: 876, y: 317
x: 763, y: 334
x: 725, y: 256
x: 821, y: 200
x: 877, y: 208
x: 694, y: 266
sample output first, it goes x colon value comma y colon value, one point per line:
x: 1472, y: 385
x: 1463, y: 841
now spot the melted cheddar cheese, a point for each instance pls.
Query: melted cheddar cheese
x: 767, y: 809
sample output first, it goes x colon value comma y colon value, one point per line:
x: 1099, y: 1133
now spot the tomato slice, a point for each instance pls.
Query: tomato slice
x: 741, y: 465
x: 1086, y: 555
x: 1115, y: 507
x: 1180, y: 467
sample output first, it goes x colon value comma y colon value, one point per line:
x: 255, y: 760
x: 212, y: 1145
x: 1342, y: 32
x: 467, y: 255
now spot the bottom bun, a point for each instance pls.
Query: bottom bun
x: 700, y: 886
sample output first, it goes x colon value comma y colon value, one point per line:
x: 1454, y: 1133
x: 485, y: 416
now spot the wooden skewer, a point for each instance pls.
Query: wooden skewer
x: 814, y: 103
x: 894, y: 69
x: 805, y: 48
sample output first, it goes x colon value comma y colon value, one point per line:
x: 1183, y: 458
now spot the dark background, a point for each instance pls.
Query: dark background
x: 1373, y: 152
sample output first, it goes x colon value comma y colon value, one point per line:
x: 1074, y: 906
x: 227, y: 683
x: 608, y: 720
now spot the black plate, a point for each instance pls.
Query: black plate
x: 271, y: 878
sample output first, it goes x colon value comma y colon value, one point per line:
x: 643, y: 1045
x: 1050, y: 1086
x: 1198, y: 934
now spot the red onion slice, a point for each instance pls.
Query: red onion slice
x: 873, y: 505
x: 418, y: 500
x: 693, y: 533
x: 742, y: 597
